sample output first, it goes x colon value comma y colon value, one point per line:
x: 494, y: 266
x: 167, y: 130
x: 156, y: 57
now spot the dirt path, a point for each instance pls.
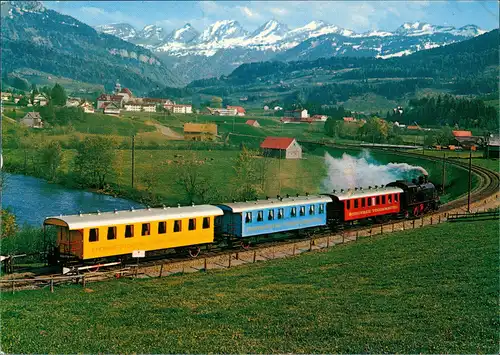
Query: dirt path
x: 166, y: 131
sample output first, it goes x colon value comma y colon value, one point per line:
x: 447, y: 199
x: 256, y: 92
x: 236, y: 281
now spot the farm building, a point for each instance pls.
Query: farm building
x: 200, y: 131
x: 33, y: 120
x: 178, y: 108
x: 297, y: 114
x: 111, y: 108
x: 461, y: 134
x: 466, y: 140
x: 240, y: 111
x: 253, y: 123
x: 493, y: 148
x: 87, y: 107
x: 281, y: 147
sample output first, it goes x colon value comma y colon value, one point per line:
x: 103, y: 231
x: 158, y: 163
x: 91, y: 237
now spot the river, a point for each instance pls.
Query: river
x: 32, y: 199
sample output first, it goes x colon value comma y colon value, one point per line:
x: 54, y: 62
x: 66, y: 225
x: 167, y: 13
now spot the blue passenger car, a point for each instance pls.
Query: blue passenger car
x: 247, y: 219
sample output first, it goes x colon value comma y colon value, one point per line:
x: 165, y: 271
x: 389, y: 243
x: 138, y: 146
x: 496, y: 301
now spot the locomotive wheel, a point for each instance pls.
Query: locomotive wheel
x: 245, y: 244
x: 194, y: 252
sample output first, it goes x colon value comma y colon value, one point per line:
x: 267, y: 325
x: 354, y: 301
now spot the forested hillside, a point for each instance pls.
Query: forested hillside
x: 50, y: 42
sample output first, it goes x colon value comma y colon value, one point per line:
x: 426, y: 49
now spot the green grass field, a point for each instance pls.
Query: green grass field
x: 431, y: 290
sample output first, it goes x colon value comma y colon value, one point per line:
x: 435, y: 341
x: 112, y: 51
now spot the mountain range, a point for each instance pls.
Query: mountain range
x: 224, y: 45
x: 44, y: 40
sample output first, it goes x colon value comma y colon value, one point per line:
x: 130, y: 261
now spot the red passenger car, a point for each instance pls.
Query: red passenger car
x: 360, y: 204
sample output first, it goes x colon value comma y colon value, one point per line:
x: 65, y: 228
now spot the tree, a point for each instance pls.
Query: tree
x: 20, y: 83
x: 34, y: 92
x: 375, y: 130
x: 9, y: 225
x: 247, y: 175
x: 51, y: 158
x: 190, y: 178
x: 58, y: 95
x: 216, y: 102
x: 23, y: 101
x: 94, y: 161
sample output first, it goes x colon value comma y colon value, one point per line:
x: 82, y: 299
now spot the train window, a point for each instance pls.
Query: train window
x: 271, y: 215
x: 93, y: 235
x: 348, y: 204
x: 111, y: 233
x: 383, y: 200
x: 302, y: 210
x: 206, y: 222
x: 129, y: 231
x: 311, y: 209
x: 145, y: 229
x: 369, y: 201
x: 162, y: 227
x: 280, y: 213
x: 377, y: 200
x: 396, y: 197
x: 389, y: 198
x: 177, y: 226
x: 363, y: 202
x: 356, y: 203
x: 192, y: 224
x: 248, y: 217
x: 321, y: 209
x: 293, y: 212
x: 260, y: 216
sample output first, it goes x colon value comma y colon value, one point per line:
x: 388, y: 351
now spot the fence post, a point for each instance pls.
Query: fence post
x: 205, y: 264
x: 51, y: 285
x: 413, y: 223
x: 310, y: 244
x: 357, y: 235
x: 237, y: 256
x: 370, y: 231
x: 431, y: 220
x: 381, y: 229
x: 84, y: 281
x: 404, y: 227
x: 161, y: 270
x: 327, y: 242
x: 422, y: 222
x: 343, y: 240
x: 393, y: 226
x: 439, y: 220
x: 229, y: 262
x: 12, y: 286
x: 255, y: 254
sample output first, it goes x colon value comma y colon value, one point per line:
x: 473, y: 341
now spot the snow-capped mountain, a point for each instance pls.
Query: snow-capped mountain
x: 224, y: 45
x: 121, y: 30
x: 185, y: 34
x: 221, y: 31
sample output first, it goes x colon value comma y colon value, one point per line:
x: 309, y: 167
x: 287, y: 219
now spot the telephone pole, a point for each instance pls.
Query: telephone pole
x: 133, y: 158
x: 444, y: 173
x: 470, y: 180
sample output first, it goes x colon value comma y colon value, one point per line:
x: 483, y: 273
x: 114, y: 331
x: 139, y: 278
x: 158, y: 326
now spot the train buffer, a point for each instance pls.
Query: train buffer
x: 474, y: 217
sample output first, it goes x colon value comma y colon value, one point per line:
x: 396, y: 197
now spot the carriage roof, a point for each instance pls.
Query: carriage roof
x: 352, y: 194
x: 238, y: 207
x: 80, y: 221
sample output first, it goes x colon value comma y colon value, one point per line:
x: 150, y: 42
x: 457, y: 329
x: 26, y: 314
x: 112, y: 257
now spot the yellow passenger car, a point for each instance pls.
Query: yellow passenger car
x: 99, y: 235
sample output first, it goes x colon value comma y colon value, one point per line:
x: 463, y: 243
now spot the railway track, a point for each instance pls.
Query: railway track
x: 485, y: 191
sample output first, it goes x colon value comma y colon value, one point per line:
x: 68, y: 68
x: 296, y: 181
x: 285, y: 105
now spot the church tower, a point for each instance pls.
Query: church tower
x: 118, y: 87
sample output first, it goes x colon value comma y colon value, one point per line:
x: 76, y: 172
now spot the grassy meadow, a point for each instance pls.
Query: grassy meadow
x: 435, y: 291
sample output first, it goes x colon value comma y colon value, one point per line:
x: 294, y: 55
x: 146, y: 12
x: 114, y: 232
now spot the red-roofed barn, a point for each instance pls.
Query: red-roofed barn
x: 252, y: 123
x: 281, y: 147
x: 240, y: 111
x: 462, y: 133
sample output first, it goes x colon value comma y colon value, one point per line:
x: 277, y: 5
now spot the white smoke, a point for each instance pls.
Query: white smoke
x: 363, y: 171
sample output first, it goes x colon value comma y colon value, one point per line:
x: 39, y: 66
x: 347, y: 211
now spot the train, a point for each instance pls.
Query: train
x: 94, y: 237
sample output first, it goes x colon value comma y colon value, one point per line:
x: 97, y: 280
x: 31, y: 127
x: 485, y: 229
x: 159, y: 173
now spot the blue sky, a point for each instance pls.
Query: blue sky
x: 356, y: 15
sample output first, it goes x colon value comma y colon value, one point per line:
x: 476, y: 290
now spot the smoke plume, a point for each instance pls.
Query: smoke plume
x: 363, y: 171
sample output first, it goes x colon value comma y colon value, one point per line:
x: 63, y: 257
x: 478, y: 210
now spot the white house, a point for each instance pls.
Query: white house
x: 278, y: 108
x: 222, y: 111
x: 72, y: 102
x: 300, y: 113
x: 178, y: 108
x: 149, y: 108
x: 33, y: 120
x: 40, y: 100
x: 87, y: 107
x: 132, y: 107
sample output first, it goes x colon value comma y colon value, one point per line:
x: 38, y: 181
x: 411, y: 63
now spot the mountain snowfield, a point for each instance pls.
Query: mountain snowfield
x: 272, y: 36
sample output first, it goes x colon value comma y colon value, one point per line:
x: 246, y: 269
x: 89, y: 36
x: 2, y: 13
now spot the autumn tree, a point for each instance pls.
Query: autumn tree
x: 9, y: 225
x: 93, y: 163
x: 375, y: 130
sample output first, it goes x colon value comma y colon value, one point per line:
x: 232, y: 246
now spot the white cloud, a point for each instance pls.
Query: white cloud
x: 91, y: 10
